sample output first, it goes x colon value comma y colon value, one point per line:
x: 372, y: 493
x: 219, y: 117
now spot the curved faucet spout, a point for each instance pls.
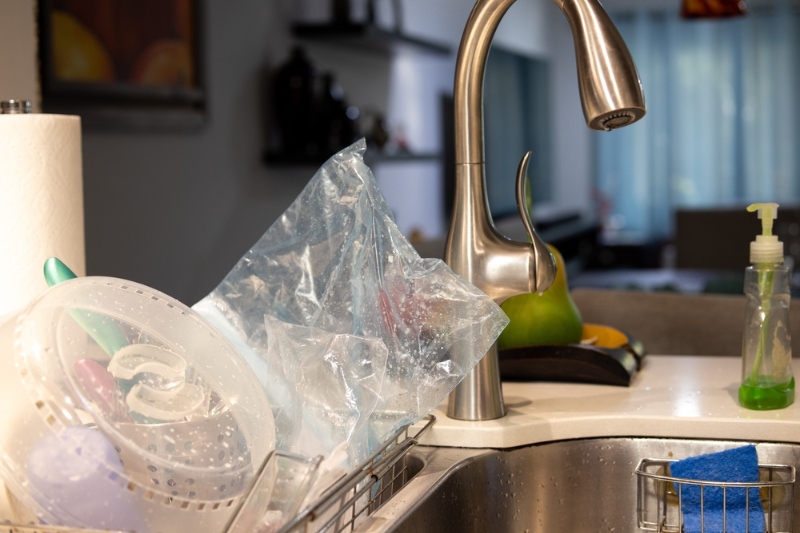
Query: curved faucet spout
x: 611, y: 93
x: 612, y: 97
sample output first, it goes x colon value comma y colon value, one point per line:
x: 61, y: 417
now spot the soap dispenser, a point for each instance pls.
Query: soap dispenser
x: 767, y: 380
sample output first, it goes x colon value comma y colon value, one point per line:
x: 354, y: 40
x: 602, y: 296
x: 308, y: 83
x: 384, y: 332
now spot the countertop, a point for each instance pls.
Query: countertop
x: 671, y: 396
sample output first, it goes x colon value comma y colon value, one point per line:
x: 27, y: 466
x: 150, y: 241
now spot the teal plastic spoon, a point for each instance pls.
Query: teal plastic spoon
x: 102, y: 329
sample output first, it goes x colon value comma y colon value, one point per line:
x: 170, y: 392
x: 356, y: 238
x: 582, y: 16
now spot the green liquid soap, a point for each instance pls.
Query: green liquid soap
x: 764, y: 397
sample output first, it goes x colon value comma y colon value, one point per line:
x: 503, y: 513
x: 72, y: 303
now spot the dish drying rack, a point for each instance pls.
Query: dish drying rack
x: 659, y: 496
x: 364, y: 490
x: 340, y: 508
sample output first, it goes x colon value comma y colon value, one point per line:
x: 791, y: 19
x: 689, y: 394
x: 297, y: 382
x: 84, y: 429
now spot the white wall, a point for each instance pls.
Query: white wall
x: 176, y: 210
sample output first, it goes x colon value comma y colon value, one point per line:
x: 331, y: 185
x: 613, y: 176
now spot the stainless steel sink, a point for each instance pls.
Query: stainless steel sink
x: 578, y: 485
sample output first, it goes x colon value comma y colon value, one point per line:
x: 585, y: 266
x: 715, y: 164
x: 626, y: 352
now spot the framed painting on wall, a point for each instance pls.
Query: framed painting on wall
x: 123, y: 63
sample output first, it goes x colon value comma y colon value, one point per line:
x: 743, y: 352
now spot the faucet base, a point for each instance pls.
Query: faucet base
x: 480, y: 395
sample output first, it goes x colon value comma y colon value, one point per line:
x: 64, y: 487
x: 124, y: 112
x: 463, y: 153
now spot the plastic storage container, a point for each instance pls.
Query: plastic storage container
x: 123, y: 409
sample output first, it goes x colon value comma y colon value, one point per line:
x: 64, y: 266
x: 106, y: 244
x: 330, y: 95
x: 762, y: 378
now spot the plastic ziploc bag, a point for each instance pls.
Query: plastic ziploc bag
x: 348, y: 329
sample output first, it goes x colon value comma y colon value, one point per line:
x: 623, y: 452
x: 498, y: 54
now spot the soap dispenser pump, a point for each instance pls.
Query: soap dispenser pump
x: 767, y: 380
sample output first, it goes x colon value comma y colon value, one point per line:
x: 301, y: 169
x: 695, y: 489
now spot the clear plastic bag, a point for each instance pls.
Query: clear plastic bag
x: 348, y: 329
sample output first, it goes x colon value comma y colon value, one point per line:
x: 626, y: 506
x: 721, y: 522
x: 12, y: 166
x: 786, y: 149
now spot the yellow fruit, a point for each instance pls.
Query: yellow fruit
x: 78, y: 55
x: 548, y: 318
x: 603, y: 336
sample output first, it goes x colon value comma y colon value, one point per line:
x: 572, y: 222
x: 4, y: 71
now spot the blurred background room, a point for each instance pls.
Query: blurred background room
x: 203, y: 120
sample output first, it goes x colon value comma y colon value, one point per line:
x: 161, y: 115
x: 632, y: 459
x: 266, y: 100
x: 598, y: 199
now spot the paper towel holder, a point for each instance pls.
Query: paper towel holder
x: 15, y: 107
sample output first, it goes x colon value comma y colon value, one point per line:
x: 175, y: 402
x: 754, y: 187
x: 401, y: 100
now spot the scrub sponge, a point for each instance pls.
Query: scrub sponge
x: 738, y: 464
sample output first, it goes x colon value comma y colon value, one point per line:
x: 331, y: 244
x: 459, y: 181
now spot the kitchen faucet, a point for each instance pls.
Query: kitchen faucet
x: 611, y: 95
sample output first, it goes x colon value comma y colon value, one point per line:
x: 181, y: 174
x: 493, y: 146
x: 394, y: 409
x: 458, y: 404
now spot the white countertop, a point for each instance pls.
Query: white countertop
x: 671, y: 396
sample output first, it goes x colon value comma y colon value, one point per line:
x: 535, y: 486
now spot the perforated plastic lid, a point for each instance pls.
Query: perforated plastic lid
x: 184, y: 419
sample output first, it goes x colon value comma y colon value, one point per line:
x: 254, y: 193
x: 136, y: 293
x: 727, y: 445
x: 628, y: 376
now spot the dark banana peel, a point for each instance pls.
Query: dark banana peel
x: 612, y: 358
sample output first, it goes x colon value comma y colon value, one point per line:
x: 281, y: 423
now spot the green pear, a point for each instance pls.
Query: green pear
x: 547, y: 318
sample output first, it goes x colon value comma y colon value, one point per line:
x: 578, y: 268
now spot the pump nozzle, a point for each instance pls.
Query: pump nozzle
x: 767, y: 212
x: 766, y: 248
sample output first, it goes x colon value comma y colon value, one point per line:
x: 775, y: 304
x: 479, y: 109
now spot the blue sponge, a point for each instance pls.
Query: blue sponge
x: 738, y: 464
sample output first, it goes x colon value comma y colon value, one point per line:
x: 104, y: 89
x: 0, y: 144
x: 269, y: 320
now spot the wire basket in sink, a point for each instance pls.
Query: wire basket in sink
x: 344, y: 505
x: 659, y: 497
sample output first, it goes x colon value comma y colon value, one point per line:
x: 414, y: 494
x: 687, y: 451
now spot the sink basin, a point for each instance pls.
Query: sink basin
x: 574, y: 485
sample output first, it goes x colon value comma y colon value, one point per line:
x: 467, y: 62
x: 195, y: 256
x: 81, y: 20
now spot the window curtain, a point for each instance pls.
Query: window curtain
x: 722, y: 125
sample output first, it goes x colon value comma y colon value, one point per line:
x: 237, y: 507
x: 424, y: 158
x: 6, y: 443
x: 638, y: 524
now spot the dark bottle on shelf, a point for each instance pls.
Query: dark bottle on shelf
x: 294, y: 105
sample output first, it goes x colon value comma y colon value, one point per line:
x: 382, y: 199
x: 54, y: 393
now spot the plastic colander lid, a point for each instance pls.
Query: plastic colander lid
x: 184, y: 412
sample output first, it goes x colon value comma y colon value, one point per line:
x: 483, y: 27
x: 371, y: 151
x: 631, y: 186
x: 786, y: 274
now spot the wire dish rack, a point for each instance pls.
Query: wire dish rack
x: 364, y: 490
x: 282, y: 480
x: 660, y: 497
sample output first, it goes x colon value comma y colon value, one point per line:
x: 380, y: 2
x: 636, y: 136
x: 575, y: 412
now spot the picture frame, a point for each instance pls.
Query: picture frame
x: 126, y: 64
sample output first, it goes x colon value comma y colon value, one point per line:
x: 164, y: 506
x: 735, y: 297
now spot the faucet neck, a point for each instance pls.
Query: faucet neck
x: 474, y: 248
x: 470, y: 68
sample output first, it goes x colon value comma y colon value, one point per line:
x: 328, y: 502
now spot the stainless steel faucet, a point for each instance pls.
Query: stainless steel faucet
x: 611, y: 95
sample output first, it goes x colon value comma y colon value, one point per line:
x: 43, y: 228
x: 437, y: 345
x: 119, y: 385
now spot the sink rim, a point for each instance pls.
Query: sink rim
x: 694, y: 397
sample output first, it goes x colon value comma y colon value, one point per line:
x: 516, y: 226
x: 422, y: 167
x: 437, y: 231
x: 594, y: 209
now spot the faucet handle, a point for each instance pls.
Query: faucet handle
x: 544, y: 263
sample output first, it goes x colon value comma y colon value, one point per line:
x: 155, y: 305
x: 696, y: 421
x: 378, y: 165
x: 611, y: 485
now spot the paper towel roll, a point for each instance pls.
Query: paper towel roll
x: 41, y: 202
